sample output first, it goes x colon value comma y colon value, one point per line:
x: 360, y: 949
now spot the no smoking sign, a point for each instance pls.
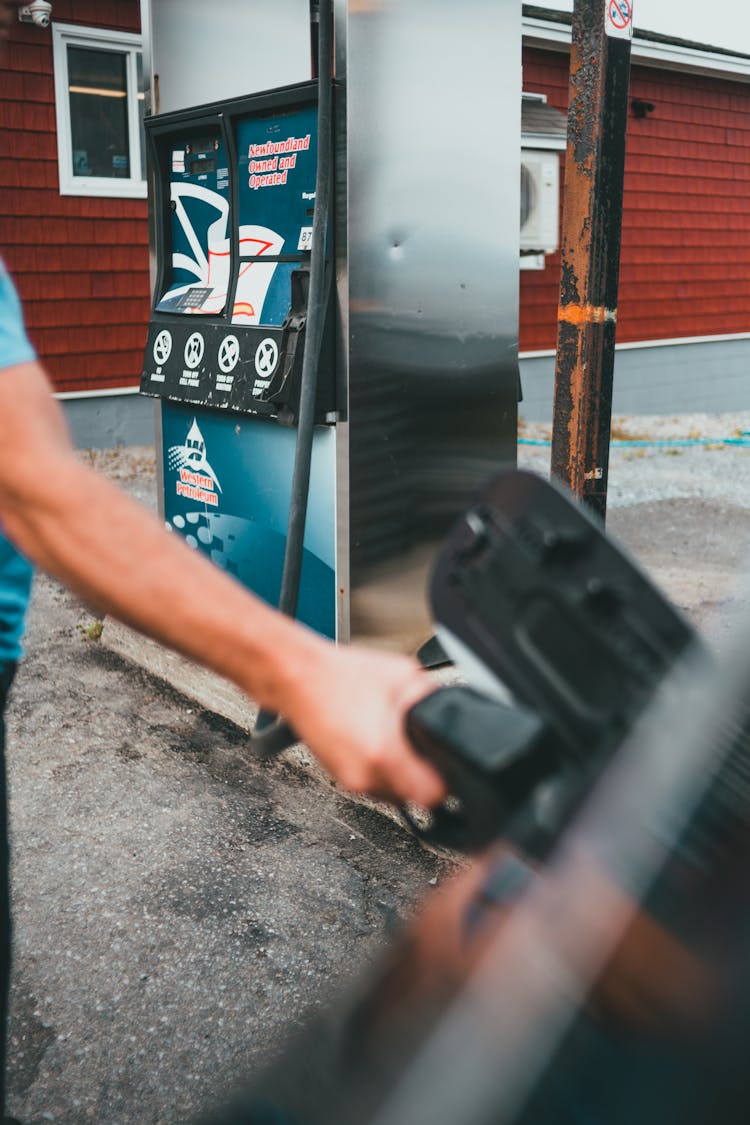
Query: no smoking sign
x: 619, y: 19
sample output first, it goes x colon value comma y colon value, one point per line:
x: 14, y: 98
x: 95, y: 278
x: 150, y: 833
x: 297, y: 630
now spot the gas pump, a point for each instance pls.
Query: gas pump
x: 334, y: 379
x: 236, y: 189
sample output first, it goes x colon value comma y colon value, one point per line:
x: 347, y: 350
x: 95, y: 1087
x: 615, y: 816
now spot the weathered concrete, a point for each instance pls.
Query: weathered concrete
x: 178, y: 904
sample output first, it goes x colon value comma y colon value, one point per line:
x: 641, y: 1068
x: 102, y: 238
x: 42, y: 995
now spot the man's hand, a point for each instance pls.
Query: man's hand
x: 347, y: 704
x: 350, y: 711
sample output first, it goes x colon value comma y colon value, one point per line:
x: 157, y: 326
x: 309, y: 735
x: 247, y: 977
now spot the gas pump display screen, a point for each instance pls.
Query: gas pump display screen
x: 201, y: 166
x: 203, y: 146
x: 198, y: 271
x: 277, y: 158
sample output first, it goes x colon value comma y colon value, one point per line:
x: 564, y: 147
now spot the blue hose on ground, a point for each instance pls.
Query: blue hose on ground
x: 644, y: 443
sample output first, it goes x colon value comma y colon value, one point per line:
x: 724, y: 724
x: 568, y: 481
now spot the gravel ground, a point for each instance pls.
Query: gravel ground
x: 682, y: 511
x: 178, y: 905
x: 639, y: 472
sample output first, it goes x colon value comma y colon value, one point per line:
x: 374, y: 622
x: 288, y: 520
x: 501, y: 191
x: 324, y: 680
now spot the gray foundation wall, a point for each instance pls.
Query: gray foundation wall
x: 108, y: 421
x: 710, y: 377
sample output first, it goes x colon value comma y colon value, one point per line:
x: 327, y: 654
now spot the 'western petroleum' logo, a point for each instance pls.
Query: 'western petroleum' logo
x: 197, y: 480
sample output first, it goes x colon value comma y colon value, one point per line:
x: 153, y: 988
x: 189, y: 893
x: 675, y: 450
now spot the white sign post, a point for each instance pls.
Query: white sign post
x: 618, y: 19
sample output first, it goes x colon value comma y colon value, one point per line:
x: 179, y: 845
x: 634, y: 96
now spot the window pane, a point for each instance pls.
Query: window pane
x: 98, y: 90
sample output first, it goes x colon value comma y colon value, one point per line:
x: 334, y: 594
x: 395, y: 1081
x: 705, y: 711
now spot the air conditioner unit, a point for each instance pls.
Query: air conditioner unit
x: 540, y: 201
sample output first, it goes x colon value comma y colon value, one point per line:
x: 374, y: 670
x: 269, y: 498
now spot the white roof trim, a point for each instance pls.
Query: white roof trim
x: 103, y: 392
x: 543, y: 33
x: 544, y: 141
x: 636, y: 345
x: 546, y: 33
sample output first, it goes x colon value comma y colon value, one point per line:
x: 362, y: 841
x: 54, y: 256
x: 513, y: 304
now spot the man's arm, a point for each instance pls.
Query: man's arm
x: 346, y: 704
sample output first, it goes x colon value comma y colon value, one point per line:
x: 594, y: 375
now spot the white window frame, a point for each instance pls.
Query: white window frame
x: 71, y: 35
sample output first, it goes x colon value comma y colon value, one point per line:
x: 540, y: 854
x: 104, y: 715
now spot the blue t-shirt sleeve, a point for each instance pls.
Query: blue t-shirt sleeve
x: 14, y: 343
x: 15, y: 571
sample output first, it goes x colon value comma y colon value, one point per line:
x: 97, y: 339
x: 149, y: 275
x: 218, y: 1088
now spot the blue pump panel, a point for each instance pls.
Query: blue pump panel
x: 227, y: 484
x: 235, y: 188
x: 198, y: 276
x: 276, y: 168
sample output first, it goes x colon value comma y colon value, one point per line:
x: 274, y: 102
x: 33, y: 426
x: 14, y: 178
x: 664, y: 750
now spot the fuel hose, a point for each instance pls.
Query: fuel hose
x: 272, y: 734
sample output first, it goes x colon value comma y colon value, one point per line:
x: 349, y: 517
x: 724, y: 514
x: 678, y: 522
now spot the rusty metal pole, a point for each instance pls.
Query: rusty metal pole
x: 591, y: 237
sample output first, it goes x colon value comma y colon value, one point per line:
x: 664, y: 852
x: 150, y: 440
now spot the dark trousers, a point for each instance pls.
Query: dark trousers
x: 7, y: 671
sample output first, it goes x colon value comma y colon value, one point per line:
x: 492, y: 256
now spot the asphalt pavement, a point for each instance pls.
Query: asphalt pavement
x: 179, y: 906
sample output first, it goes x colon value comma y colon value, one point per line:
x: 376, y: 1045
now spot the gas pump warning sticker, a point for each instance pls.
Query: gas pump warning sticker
x: 618, y: 22
x: 270, y: 163
x: 196, y: 479
x: 266, y: 360
x: 161, y: 352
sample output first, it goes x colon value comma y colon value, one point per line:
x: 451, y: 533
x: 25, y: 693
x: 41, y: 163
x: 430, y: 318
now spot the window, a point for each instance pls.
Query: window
x: 99, y: 102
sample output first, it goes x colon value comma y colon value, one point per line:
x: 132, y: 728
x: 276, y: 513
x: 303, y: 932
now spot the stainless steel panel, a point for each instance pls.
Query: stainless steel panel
x: 196, y: 52
x: 433, y: 102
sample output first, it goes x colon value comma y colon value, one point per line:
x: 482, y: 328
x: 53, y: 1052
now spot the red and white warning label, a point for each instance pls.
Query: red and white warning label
x: 618, y: 20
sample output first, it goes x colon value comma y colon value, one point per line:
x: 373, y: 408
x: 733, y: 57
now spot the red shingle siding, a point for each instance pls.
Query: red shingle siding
x: 544, y: 72
x: 685, y: 265
x: 80, y: 263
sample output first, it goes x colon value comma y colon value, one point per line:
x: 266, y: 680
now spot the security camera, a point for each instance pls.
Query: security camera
x: 39, y: 12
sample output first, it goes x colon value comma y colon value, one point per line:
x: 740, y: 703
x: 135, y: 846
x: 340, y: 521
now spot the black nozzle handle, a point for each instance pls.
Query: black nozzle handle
x: 491, y: 755
x: 272, y: 734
